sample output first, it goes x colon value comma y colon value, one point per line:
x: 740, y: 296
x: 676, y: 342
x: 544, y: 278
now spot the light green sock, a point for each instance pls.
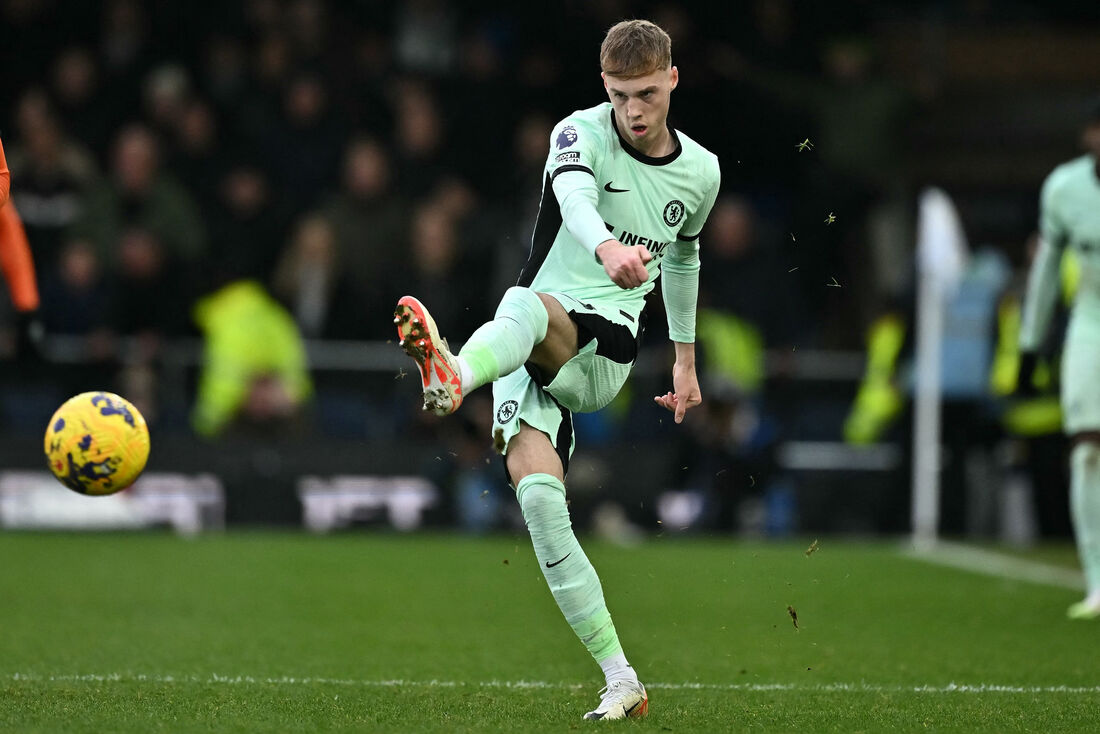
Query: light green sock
x: 573, y: 581
x: 501, y: 346
x: 1084, y: 496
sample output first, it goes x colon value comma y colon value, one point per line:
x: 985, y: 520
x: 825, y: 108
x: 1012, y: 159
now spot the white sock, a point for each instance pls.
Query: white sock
x: 617, y: 668
x: 1084, y: 497
x: 465, y: 373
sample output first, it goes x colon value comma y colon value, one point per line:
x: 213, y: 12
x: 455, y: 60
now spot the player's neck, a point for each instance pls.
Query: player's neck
x: 661, y: 145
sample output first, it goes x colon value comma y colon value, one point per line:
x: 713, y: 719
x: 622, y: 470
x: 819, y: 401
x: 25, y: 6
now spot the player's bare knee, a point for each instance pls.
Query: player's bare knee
x: 560, y: 344
x: 531, y: 452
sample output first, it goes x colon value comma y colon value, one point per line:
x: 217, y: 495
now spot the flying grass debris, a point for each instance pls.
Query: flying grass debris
x: 794, y: 615
x: 812, y: 549
x: 805, y: 145
x: 834, y: 284
x: 830, y: 218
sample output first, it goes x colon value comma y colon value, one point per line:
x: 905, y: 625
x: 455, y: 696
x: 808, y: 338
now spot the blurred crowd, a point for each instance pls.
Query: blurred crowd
x: 336, y: 155
x: 342, y: 154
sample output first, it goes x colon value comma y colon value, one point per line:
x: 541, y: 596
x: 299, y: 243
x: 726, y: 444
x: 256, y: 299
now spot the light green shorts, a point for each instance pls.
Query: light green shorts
x: 607, y: 341
x: 1081, y: 377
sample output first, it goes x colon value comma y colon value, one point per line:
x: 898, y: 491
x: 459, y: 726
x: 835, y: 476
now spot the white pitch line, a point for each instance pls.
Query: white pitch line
x: 215, y: 678
x: 991, y: 563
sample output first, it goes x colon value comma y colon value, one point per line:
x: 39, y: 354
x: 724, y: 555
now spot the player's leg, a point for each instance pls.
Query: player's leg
x: 527, y: 325
x: 1085, y: 511
x: 537, y: 473
x: 1081, y: 417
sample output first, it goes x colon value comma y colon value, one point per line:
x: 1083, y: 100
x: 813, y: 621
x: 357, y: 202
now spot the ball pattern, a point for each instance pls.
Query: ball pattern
x: 97, y: 443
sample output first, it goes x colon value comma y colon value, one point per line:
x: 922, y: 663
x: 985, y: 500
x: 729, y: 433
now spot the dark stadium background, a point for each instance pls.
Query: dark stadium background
x: 256, y: 109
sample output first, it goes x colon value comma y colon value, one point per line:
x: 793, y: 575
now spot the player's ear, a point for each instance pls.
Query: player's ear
x: 604, y: 78
x: 673, y: 77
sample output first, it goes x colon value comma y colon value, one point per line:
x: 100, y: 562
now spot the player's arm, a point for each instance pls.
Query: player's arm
x: 680, y: 291
x: 16, y: 261
x: 577, y: 197
x: 574, y: 160
x: 18, y: 268
x: 1043, y: 283
x: 5, y: 177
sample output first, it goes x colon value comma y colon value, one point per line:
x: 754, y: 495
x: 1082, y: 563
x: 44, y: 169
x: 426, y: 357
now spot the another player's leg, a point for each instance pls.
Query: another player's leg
x: 1085, y: 510
x: 538, y: 474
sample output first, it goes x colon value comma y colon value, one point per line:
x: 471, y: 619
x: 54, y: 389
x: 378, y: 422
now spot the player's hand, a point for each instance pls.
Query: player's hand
x: 624, y: 265
x: 687, y: 394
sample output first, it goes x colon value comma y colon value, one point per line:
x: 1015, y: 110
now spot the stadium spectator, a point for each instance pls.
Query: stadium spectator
x: 224, y: 70
x: 303, y: 146
x: 166, y: 92
x: 75, y: 293
x: 53, y: 174
x: 418, y: 150
x: 371, y: 225
x: 148, y: 291
x: 77, y: 91
x: 434, y: 263
x: 197, y: 154
x: 247, y: 225
x: 254, y: 365
x: 426, y: 36
x: 748, y: 273
x: 311, y: 281
x: 140, y: 193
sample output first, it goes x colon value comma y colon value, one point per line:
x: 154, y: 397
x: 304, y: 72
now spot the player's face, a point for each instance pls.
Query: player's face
x: 641, y: 106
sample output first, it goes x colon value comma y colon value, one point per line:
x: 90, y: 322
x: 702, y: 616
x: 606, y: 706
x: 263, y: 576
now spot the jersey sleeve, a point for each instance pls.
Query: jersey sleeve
x: 1051, y: 224
x: 1043, y: 281
x: 577, y: 199
x: 574, y: 146
x: 680, y: 270
x: 5, y: 177
x: 693, y: 223
x: 572, y: 166
x: 16, y: 261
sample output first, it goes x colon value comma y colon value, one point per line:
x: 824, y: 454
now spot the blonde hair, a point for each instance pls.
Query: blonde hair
x: 634, y: 48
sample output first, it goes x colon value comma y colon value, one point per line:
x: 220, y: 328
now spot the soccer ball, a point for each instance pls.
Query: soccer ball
x: 97, y: 443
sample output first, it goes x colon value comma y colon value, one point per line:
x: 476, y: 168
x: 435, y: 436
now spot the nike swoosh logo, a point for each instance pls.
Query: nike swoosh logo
x: 551, y: 565
x: 636, y: 705
x: 611, y: 190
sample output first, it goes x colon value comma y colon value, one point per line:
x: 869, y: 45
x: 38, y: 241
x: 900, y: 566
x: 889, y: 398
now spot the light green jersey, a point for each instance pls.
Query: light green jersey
x: 1069, y: 217
x: 661, y: 203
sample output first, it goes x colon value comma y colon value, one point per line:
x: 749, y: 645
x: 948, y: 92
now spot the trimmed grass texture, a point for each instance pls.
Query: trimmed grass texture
x: 379, y: 632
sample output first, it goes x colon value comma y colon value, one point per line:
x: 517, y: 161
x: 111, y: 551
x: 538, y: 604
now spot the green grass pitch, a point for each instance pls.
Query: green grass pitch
x: 378, y: 632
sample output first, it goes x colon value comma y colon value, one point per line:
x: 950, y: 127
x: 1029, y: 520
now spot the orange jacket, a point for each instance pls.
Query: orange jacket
x: 16, y: 261
x: 5, y: 177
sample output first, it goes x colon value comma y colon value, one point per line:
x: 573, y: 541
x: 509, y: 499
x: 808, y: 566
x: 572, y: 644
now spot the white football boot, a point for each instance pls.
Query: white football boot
x: 621, y: 699
x: 438, y: 368
x: 1086, y: 609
